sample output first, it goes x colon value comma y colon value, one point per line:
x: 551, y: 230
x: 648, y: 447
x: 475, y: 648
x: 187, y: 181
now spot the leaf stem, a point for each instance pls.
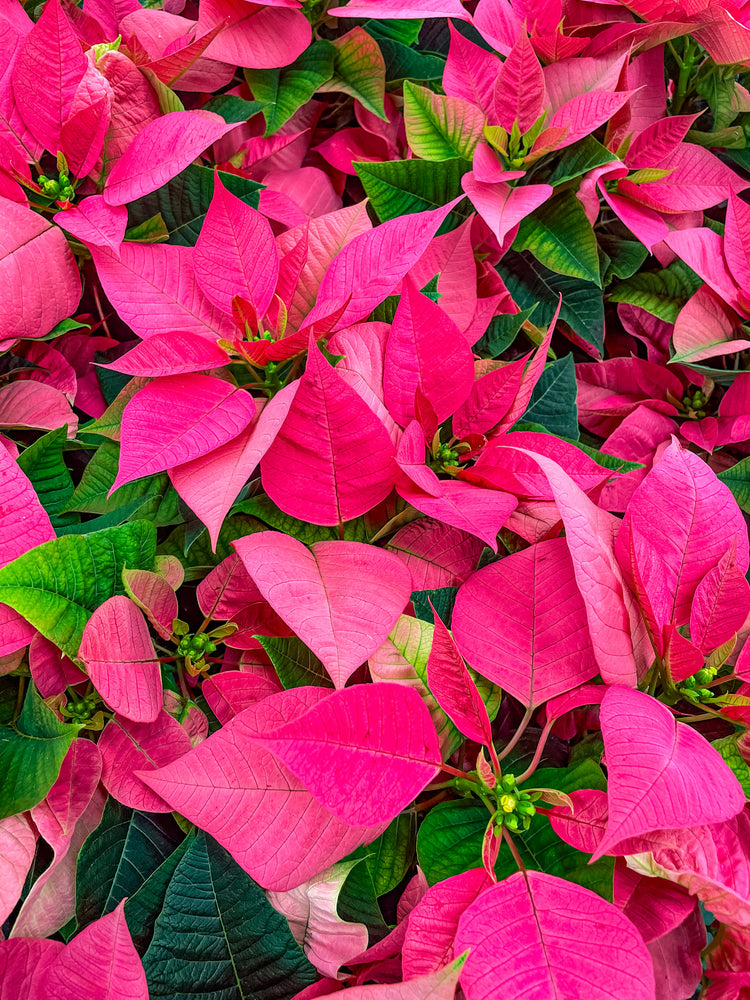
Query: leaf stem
x: 537, y: 753
x: 513, y: 849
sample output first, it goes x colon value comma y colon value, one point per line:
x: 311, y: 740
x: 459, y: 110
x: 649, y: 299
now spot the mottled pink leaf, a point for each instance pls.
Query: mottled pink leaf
x: 30, y: 246
x: 258, y: 810
x: 352, y: 755
x: 659, y: 771
x: 720, y: 605
x: 17, y: 846
x: 92, y: 220
x: 128, y: 747
x: 521, y: 622
x: 24, y: 523
x: 341, y: 598
x: 83, y: 131
x: 160, y: 151
x: 437, y: 554
x: 134, y: 101
x: 119, y: 656
x: 176, y: 419
x: 681, y: 657
x: 678, y: 967
x: 452, y: 686
x: 370, y: 267
x: 332, y: 459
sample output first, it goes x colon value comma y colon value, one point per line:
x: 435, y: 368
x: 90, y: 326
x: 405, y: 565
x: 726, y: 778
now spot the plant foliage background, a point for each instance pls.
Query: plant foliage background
x: 374, y: 480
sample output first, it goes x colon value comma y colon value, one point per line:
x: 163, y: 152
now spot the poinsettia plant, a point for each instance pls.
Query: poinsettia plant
x: 374, y: 483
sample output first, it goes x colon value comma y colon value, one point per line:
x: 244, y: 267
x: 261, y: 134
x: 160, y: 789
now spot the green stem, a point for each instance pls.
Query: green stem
x: 513, y: 849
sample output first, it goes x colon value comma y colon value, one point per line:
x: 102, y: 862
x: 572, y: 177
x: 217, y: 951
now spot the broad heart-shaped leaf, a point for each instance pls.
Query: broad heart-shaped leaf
x: 426, y: 351
x: 341, y: 598
x: 255, y: 807
x: 32, y: 750
x: 364, y: 752
x: 160, y: 150
x: 521, y: 622
x: 100, y: 963
x: 439, y: 127
x: 455, y: 691
x: 246, y: 948
x: 236, y: 253
x: 332, y: 459
x: 58, y: 585
x: 689, y: 518
x: 119, y: 657
x: 24, y: 523
x: 561, y: 941
x: 663, y: 775
x: 372, y: 264
x: 175, y: 419
x: 118, y: 857
x: 30, y: 245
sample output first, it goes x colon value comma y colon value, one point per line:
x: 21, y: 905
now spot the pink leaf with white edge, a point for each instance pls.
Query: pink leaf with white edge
x: 437, y: 554
x: 470, y: 508
x: 432, y: 925
x: 452, y: 686
x: 562, y: 939
x: 370, y: 267
x: 654, y: 905
x: 232, y: 691
x: 706, y: 327
x: 521, y: 622
x: 501, y: 206
x: 425, y: 350
x: 327, y: 940
x: 155, y: 596
x: 490, y: 399
x: 255, y: 807
x: 23, y: 966
x: 56, y: 815
x: 24, y: 523
x: 364, y: 752
x: 402, y: 8
x: 128, y: 747
x: 173, y: 353
x: 659, y: 771
x: 154, y: 290
x: 93, y: 221
x: 178, y: 418
x: 29, y: 245
x: 520, y: 94
x: 160, y: 151
x: 100, y: 963
x: 720, y: 605
x: 332, y: 459
x: 51, y: 43
x: 236, y: 253
x: 689, y: 518
x: 119, y: 656
x: 341, y: 598
x: 616, y: 629
x: 17, y: 846
x: 209, y: 485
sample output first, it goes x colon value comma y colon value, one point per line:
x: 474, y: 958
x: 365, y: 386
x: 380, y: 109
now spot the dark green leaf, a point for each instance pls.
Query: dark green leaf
x: 501, y: 333
x: 400, y: 187
x: 553, y: 401
x: 579, y: 159
x: 200, y: 558
x: 404, y: 30
x: 737, y: 478
x: 442, y: 599
x: 560, y: 236
x: 405, y: 63
x: 43, y: 464
x: 624, y: 257
x: 233, y: 109
x: 281, y: 92
x: 450, y: 839
x: 295, y: 664
x: 266, y: 510
x: 142, y: 908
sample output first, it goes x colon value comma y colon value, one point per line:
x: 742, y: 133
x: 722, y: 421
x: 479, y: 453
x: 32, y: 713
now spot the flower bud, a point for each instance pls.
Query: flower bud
x: 508, y: 803
x: 508, y: 782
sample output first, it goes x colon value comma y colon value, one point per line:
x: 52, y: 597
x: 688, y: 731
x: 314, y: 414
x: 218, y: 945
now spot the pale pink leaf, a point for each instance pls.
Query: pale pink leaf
x: 522, y: 623
x: 360, y: 763
x: 659, y: 770
x: 155, y: 596
x: 119, y: 656
x: 469, y: 508
x: 332, y: 459
x: 92, y: 220
x: 439, y: 985
x: 703, y: 251
x: 160, y: 151
x: 176, y: 419
x: 36, y: 405
x: 498, y: 23
x: 437, y: 554
x: 229, y: 593
x: 24, y: 523
x: 536, y: 934
x: 706, y: 327
x: 128, y: 747
x: 341, y: 598
x: 17, y: 846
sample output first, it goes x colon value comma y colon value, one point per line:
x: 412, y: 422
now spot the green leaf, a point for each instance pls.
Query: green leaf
x: 90, y: 496
x: 31, y: 753
x: 661, y: 293
x: 579, y: 159
x: 450, y: 839
x: 122, y: 515
x: 359, y: 70
x: 401, y: 187
x: 737, y: 478
x: 199, y: 558
x: 145, y: 905
x: 153, y: 230
x: 625, y: 257
x: 442, y: 599
x: 717, y: 87
x: 295, y: 664
x: 501, y: 333
x: 553, y: 401
x: 403, y: 62
x: 117, y: 858
x: 218, y: 936
x: 266, y: 510
x: 439, y: 127
x: 43, y: 464
x: 233, y: 109
x: 183, y: 201
x: 530, y: 283
x: 560, y: 236
x: 281, y: 92
x: 404, y: 30
x: 727, y: 747
x: 58, y: 585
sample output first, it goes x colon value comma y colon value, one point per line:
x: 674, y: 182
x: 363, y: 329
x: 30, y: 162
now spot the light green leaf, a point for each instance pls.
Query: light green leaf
x: 661, y: 293
x: 730, y: 752
x: 560, y: 236
x: 737, y: 478
x: 439, y: 127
